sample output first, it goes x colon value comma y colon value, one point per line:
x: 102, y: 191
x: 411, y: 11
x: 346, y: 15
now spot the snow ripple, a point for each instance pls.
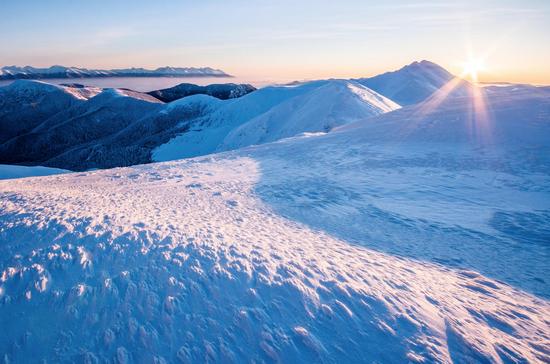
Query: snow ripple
x: 184, y: 262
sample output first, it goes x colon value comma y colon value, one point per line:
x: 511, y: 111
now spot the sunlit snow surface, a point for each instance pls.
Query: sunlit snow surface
x: 375, y: 243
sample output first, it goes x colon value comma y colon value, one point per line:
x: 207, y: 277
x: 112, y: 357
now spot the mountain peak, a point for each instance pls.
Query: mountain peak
x: 410, y: 84
x: 425, y: 65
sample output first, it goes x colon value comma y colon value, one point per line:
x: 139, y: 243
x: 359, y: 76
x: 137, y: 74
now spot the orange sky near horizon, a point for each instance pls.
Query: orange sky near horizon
x: 283, y: 40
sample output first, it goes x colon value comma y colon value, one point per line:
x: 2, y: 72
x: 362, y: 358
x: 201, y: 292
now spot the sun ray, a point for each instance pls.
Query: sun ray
x: 477, y: 117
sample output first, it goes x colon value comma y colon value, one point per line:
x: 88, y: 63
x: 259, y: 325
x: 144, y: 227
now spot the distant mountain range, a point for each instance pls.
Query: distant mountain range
x: 28, y: 72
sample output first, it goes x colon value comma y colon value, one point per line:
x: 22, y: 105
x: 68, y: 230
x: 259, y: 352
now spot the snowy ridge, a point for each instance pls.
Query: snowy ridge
x: 276, y: 112
x: 335, y: 103
x: 115, y: 127
x: 118, y: 92
x: 31, y: 88
x: 68, y: 129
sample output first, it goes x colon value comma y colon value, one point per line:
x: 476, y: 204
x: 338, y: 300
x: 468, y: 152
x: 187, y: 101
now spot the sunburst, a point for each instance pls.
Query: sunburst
x: 472, y: 68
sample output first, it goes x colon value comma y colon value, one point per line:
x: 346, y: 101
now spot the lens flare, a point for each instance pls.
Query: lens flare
x: 472, y: 68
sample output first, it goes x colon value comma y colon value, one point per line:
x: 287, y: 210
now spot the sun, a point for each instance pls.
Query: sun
x: 472, y: 68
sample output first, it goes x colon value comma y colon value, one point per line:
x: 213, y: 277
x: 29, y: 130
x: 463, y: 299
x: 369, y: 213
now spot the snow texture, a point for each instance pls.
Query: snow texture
x: 419, y: 235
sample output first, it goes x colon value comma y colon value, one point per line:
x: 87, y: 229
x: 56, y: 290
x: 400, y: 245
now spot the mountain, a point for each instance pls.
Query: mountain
x: 109, y: 128
x: 411, y: 84
x: 394, y: 239
x: 122, y: 127
x: 25, y: 104
x: 88, y: 122
x: 276, y: 112
x: 222, y: 91
x: 133, y: 142
x: 28, y: 72
x: 333, y: 104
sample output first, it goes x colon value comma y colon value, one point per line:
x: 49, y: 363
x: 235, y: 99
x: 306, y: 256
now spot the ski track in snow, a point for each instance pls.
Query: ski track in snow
x: 210, y: 259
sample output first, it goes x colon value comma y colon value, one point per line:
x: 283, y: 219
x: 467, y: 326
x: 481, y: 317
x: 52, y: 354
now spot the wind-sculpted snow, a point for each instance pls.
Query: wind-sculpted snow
x: 345, y: 247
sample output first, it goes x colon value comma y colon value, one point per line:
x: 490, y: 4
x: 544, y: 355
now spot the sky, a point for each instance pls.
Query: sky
x: 282, y: 39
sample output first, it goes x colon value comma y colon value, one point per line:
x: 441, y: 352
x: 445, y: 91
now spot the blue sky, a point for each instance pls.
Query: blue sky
x: 281, y: 39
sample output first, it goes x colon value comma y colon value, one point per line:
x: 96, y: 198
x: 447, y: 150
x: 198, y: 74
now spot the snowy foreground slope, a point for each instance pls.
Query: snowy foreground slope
x: 347, y: 247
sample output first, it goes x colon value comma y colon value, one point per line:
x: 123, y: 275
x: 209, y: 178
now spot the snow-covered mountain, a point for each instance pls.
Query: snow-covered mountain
x: 85, y: 128
x: 412, y: 83
x: 504, y: 117
x: 222, y: 91
x: 134, y: 141
x: 419, y: 235
x: 25, y: 104
x: 332, y: 104
x: 76, y: 127
x: 277, y: 112
x: 28, y: 72
x: 122, y: 127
